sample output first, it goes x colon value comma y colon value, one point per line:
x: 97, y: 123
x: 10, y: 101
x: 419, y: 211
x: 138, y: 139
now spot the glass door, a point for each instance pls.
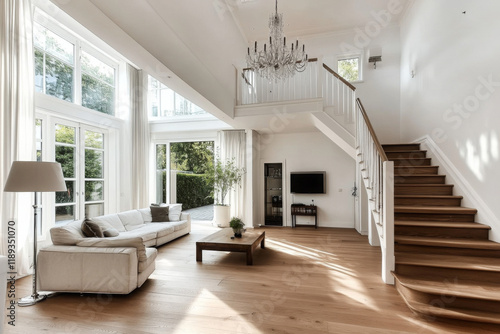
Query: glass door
x: 80, y: 149
x: 273, y: 194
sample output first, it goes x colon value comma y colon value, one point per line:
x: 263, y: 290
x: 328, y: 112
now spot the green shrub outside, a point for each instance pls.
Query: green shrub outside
x: 193, y: 190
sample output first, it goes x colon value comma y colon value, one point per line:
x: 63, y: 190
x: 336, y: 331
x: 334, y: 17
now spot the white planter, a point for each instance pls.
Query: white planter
x: 222, y: 215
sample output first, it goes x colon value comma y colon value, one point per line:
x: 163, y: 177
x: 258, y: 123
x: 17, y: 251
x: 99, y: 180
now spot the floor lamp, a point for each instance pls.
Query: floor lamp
x: 33, y: 176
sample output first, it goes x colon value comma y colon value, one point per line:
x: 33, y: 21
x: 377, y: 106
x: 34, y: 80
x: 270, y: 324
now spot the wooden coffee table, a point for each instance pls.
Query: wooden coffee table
x: 221, y: 241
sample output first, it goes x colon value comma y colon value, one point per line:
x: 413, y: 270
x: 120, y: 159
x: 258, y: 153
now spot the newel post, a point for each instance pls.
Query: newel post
x: 388, y: 260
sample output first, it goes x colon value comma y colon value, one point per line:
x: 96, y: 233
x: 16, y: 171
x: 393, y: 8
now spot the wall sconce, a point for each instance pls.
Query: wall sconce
x: 374, y: 60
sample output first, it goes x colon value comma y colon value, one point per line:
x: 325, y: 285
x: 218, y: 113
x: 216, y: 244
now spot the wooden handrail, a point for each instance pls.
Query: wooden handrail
x: 312, y: 60
x: 380, y: 150
x: 338, y: 76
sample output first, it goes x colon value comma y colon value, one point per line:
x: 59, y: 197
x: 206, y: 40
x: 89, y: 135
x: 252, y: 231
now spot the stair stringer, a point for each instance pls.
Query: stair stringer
x: 335, y: 131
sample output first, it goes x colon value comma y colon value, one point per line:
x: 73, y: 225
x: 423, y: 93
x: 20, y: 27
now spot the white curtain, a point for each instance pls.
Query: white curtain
x: 140, y: 138
x: 232, y: 144
x: 16, y: 122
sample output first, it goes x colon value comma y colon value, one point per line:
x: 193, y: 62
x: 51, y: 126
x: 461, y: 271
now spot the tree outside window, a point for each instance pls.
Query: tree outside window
x: 349, y: 68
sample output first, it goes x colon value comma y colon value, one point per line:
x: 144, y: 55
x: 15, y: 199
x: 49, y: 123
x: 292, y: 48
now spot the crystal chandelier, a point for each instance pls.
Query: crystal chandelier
x: 278, y: 61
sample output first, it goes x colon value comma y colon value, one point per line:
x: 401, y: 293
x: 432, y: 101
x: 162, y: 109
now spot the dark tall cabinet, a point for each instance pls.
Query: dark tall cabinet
x: 273, y: 194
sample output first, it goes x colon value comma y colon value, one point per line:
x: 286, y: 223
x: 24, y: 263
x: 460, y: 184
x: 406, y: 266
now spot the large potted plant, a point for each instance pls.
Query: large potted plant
x: 225, y: 176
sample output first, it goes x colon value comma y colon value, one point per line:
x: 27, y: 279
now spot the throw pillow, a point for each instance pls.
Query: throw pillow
x: 174, y: 212
x: 108, y: 230
x: 159, y: 213
x: 91, y: 229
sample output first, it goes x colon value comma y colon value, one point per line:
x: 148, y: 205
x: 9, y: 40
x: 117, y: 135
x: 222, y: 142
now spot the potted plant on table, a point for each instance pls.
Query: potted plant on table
x: 225, y: 176
x: 237, y: 225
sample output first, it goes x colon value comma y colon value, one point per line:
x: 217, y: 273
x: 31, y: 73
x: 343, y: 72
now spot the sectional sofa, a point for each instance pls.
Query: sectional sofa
x: 114, y: 265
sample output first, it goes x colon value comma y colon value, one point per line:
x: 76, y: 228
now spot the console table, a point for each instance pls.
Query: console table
x: 304, y: 210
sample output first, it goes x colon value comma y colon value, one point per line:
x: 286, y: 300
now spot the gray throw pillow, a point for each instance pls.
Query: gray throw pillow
x: 91, y: 229
x: 159, y: 214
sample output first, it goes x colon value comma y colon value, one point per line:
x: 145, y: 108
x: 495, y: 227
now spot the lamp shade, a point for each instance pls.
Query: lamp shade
x: 35, y: 176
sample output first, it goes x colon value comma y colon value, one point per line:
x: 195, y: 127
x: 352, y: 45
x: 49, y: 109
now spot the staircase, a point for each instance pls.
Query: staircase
x: 445, y: 264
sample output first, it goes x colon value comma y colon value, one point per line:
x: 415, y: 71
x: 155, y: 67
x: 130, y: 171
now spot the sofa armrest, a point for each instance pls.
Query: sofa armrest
x: 136, y: 242
x: 186, y: 216
x: 87, y: 269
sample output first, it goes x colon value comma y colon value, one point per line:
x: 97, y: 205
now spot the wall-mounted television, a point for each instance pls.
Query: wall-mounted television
x: 308, y: 182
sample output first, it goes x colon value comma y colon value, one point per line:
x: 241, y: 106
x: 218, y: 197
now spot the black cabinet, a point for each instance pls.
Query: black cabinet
x: 273, y: 184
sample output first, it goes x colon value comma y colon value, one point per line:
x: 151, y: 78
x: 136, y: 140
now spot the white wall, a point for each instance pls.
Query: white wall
x: 312, y: 151
x: 454, y: 96
x: 380, y: 89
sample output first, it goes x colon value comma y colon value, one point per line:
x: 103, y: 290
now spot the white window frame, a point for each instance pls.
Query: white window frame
x: 80, y: 44
x: 359, y: 56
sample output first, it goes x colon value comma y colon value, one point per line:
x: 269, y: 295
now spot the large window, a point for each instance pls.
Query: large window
x: 81, y: 153
x: 164, y: 102
x: 54, y: 64
x: 349, y: 68
x: 98, y: 84
x: 72, y: 70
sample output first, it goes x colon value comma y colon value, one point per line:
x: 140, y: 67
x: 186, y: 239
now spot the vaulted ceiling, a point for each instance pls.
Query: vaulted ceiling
x: 203, y: 41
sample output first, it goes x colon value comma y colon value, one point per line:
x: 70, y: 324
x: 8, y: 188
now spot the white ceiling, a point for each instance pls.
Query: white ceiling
x: 304, y: 18
x: 203, y: 41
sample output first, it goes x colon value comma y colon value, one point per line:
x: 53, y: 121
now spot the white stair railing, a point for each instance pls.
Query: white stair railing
x: 339, y: 96
x: 256, y: 89
x: 377, y: 173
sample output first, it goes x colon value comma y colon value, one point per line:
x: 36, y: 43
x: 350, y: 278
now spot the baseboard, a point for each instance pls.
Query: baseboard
x: 461, y: 187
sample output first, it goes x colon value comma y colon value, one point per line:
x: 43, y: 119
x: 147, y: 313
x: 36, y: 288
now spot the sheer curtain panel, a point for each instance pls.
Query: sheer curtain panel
x: 233, y: 145
x: 140, y: 138
x: 16, y: 124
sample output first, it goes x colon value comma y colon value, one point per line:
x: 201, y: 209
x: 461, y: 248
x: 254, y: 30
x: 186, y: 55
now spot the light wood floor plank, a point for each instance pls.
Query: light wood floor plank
x: 305, y: 281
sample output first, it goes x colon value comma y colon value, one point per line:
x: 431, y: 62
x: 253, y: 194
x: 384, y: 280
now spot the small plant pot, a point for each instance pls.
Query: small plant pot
x: 237, y: 232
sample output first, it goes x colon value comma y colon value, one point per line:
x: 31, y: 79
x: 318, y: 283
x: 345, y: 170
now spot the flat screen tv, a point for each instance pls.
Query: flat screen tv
x: 308, y: 182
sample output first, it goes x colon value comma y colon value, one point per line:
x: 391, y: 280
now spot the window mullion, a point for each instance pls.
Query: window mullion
x: 78, y: 73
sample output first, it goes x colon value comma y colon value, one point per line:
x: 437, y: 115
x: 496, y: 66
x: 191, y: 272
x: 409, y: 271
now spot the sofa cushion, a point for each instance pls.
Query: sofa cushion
x: 180, y: 225
x: 69, y: 234
x: 117, y: 242
x: 174, y: 212
x: 146, y: 215
x: 131, y: 219
x: 159, y: 214
x: 112, y: 220
x: 145, y: 235
x: 92, y: 229
x: 161, y: 230
x: 150, y: 258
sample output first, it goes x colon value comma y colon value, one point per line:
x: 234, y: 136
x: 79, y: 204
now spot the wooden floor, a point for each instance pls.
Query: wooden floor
x: 304, y: 281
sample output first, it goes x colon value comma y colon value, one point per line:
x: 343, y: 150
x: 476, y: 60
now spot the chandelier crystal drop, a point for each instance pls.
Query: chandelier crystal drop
x: 279, y: 61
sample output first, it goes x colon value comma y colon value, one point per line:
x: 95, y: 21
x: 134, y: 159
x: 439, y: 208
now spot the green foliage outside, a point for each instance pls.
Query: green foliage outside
x: 193, y: 190
x: 65, y: 155
x: 224, y: 175
x: 349, y: 69
x: 196, y: 157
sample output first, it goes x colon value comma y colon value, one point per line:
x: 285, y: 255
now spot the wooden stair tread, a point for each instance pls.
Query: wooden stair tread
x: 434, y: 209
x: 428, y: 196
x: 458, y: 288
x: 442, y: 224
x: 423, y: 167
x: 420, y: 175
x: 449, y: 261
x: 406, y: 151
x: 454, y: 313
x: 447, y: 242
x: 422, y: 185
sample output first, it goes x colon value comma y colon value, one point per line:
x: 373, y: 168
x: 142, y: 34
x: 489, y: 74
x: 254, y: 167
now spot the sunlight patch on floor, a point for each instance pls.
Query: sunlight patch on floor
x: 214, y: 315
x: 355, y: 290
x: 324, y: 259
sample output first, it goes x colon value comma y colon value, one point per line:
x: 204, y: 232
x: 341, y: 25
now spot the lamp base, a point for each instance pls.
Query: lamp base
x: 31, y: 300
